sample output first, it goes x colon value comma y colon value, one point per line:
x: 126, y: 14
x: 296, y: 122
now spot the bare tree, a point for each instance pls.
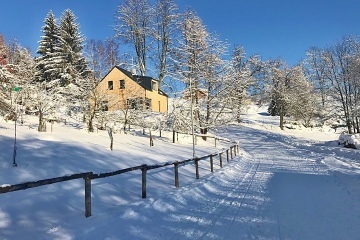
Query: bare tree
x: 133, y: 27
x: 200, y: 66
x: 243, y: 75
x: 344, y: 87
x: 292, y: 93
x: 166, y: 25
x: 102, y: 56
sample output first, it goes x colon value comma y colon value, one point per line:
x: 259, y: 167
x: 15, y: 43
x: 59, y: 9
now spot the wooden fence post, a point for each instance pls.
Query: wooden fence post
x: 176, y: 166
x: 231, y: 152
x: 234, y: 150
x: 238, y: 148
x: 211, y: 163
x: 143, y: 189
x: 87, y: 196
x: 151, y: 139
x: 215, y: 142
x: 220, y: 159
x: 227, y: 155
x: 197, y: 167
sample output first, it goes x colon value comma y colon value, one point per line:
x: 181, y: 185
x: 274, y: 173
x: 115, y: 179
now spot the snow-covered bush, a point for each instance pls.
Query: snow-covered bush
x: 349, y: 140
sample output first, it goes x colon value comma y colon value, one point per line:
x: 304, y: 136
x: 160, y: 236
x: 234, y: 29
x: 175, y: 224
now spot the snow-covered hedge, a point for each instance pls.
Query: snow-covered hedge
x: 350, y: 140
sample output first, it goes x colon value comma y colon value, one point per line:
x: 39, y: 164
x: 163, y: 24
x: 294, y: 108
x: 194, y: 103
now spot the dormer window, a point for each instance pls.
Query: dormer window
x: 154, y: 86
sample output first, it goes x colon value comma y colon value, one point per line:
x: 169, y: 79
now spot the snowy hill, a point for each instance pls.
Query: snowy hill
x: 292, y: 184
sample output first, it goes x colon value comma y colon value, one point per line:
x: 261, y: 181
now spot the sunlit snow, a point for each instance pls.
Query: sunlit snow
x: 291, y: 184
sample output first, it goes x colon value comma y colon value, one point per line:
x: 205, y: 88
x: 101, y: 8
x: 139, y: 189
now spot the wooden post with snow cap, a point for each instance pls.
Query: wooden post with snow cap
x: 234, y: 150
x: 176, y: 170
x: 227, y: 155
x: 211, y: 163
x: 231, y: 152
x: 143, y: 180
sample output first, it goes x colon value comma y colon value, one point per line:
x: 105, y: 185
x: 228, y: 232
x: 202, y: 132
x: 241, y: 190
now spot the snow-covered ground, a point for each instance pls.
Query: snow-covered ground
x: 292, y: 184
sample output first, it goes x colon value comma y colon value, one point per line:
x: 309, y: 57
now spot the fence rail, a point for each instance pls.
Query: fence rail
x: 89, y: 176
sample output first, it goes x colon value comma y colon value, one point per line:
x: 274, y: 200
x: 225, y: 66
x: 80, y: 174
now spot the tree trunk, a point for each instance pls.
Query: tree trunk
x: 90, y: 123
x: 281, y: 121
x: 204, y: 131
x: 349, y: 127
x: 42, y: 123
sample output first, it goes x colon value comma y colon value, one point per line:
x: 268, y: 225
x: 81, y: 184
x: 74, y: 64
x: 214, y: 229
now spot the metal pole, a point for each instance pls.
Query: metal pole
x: 192, y: 119
x: 15, y: 147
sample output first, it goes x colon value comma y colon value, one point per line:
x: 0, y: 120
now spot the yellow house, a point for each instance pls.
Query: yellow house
x: 126, y: 90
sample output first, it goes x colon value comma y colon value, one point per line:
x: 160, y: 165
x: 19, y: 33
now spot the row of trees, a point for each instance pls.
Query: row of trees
x: 209, y: 86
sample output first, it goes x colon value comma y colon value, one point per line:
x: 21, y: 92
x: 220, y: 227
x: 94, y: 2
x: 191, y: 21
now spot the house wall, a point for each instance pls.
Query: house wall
x: 159, y: 103
x: 117, y: 97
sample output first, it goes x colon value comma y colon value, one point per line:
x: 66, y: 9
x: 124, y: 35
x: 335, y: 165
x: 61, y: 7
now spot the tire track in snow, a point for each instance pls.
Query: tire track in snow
x: 238, y: 197
x: 217, y: 210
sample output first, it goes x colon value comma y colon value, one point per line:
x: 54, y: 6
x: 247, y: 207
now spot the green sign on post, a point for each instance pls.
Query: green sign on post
x: 17, y: 89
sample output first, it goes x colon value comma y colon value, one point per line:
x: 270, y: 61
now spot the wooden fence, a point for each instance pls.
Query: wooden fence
x: 88, y: 176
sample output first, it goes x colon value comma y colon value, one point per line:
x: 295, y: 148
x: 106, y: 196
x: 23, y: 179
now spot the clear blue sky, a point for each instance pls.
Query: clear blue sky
x: 270, y: 28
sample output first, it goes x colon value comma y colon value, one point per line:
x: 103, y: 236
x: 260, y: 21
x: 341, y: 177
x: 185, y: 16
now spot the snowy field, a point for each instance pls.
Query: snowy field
x: 292, y: 184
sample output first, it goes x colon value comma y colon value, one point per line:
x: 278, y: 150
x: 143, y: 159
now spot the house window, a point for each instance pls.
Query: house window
x: 104, y: 106
x: 147, y: 103
x: 110, y: 85
x: 135, y: 103
x: 122, y: 84
x: 154, y: 86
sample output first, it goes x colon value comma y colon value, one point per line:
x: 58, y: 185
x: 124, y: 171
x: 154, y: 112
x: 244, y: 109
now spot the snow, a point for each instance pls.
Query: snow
x: 352, y: 140
x: 291, y: 184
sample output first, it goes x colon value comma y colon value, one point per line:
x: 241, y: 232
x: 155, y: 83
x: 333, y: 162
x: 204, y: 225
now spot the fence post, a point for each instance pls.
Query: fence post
x: 87, y: 196
x: 143, y: 189
x: 211, y: 163
x: 234, y: 150
x: 220, y: 159
x: 238, y: 148
x: 227, y: 155
x: 215, y: 141
x: 197, y: 167
x: 176, y: 166
x: 151, y: 139
x: 231, y: 152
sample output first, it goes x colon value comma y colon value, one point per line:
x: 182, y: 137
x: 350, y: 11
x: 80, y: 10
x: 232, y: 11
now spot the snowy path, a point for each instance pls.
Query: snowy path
x: 277, y: 189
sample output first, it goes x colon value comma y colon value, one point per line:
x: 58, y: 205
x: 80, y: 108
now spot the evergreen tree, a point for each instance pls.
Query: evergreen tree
x: 47, y: 62
x: 71, y: 44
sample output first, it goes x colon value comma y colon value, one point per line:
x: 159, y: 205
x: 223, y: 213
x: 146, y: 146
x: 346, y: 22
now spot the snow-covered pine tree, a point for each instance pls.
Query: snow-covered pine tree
x: 48, y: 61
x: 74, y: 67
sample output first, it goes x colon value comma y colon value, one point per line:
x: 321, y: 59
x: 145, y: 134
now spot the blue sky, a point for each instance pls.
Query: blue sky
x: 270, y: 28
